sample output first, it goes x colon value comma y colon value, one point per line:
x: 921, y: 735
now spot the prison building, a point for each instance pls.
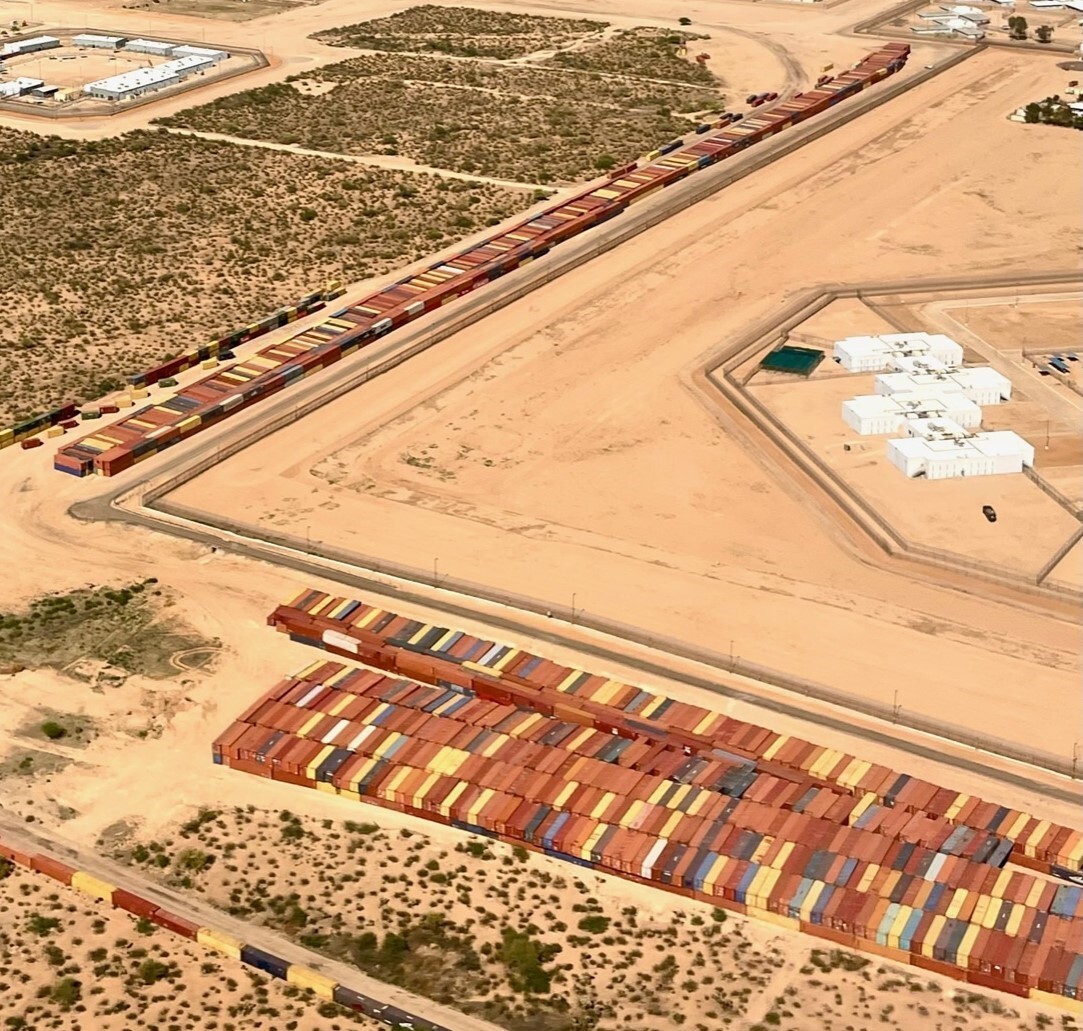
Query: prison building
x: 872, y: 414
x: 979, y: 454
x: 878, y: 353
x: 214, y: 56
x: 88, y: 39
x: 150, y: 46
x: 28, y: 46
x: 19, y: 87
x: 983, y: 385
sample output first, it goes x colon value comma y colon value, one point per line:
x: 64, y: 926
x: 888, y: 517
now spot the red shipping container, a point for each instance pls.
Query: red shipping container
x: 173, y: 922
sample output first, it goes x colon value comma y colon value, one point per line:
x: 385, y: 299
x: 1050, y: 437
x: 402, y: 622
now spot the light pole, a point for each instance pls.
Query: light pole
x: 435, y: 572
x: 573, y: 608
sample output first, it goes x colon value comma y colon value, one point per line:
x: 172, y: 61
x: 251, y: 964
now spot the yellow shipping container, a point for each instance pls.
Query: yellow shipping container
x: 825, y: 763
x: 955, y: 807
x: 55, y: 431
x: 423, y: 791
x: 310, y: 770
x: 210, y: 363
x: 670, y: 825
x: 421, y: 633
x: 452, y: 797
x: 779, y: 921
x: 525, y: 727
x: 934, y: 933
x: 759, y: 890
x: 603, y: 805
x: 1001, y: 883
x: 783, y: 854
x: 124, y: 402
x: 443, y: 640
x: 308, y: 670
x: 853, y: 773
x: 761, y: 850
x: 566, y: 682
x: 507, y: 660
x: 592, y: 841
x: 187, y: 424
x: 494, y: 746
x: 678, y: 796
x: 584, y: 735
x: 702, y: 798
x: 220, y: 942
x: 706, y: 725
x: 992, y: 912
x: 398, y: 778
x: 867, y: 878
x: 369, y: 617
x: 772, y: 749
x: 309, y: 724
x: 339, y: 609
x: 568, y: 790
x: 1035, y: 837
x: 1062, y: 1002
x: 358, y: 776
x: 606, y: 194
x: 476, y: 808
x: 956, y: 904
x: 318, y: 984
x: 139, y: 392
x: 658, y: 792
x: 898, y: 925
x: 962, y: 954
x: 1073, y: 852
x: 632, y: 812
x: 716, y: 871
x: 324, y: 603
x: 855, y: 814
x: 92, y: 886
x: 1016, y: 918
x: 327, y: 788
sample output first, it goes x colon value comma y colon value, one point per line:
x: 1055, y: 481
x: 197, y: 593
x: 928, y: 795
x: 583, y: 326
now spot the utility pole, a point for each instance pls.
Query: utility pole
x: 435, y: 572
x: 895, y: 708
x: 573, y: 608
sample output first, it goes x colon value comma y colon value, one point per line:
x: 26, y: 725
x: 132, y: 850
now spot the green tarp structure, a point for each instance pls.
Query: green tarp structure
x: 801, y: 361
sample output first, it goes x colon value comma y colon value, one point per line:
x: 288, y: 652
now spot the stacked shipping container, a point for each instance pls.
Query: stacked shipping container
x: 361, y: 324
x: 28, y: 427
x: 500, y: 742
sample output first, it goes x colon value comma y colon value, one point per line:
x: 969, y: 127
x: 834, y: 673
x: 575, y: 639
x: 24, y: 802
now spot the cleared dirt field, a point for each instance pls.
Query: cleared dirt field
x: 941, y: 514
x: 567, y: 436
x: 70, y: 964
x: 184, y: 239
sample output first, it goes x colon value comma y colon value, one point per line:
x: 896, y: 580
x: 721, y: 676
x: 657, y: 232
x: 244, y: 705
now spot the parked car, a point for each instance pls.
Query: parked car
x: 989, y: 512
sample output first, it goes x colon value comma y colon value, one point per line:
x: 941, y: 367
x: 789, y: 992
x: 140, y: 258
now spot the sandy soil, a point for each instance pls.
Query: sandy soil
x: 679, y: 520
x: 941, y: 514
x: 105, y: 953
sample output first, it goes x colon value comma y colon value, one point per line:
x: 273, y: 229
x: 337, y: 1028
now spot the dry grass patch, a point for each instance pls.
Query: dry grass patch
x: 462, y: 31
x: 642, y: 51
x: 123, y: 252
x: 533, y: 124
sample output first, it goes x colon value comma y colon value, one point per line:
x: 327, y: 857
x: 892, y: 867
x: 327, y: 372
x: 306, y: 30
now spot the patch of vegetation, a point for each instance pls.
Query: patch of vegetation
x: 1052, y: 111
x: 462, y: 31
x: 642, y: 51
x: 122, y: 627
x: 529, y: 123
x: 148, y: 244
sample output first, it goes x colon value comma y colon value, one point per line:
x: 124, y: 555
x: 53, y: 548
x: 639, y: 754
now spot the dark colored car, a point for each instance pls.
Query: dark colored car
x: 989, y: 512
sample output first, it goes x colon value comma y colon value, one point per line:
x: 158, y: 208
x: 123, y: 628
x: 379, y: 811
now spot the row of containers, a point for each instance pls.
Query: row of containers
x: 502, y: 672
x: 65, y: 414
x: 283, y: 317
x: 217, y: 940
x: 143, y: 433
x: 149, y: 431
x: 709, y: 825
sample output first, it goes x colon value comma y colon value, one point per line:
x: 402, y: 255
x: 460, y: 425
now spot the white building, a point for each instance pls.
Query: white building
x: 975, y: 14
x: 150, y: 46
x: 19, y: 87
x: 984, y: 386
x: 983, y: 454
x: 28, y: 46
x: 872, y: 414
x: 146, y: 80
x: 876, y: 353
x: 88, y: 39
x: 937, y: 429
x: 215, y: 56
x: 915, y: 364
x: 132, y: 84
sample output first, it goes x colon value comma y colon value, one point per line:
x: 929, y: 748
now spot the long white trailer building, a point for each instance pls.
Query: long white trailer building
x: 881, y: 413
x: 28, y: 46
x: 877, y: 353
x: 129, y: 85
x: 980, y: 454
x: 983, y: 385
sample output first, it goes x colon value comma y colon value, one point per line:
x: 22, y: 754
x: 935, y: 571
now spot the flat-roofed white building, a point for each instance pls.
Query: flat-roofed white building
x: 982, y: 454
x: 916, y: 363
x: 983, y: 385
x: 19, y: 87
x: 132, y: 84
x: 215, y: 56
x: 872, y: 414
x: 28, y: 46
x: 150, y: 46
x: 876, y: 353
x: 89, y: 39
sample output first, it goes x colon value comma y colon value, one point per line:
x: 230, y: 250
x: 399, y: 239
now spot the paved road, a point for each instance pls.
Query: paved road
x: 18, y: 836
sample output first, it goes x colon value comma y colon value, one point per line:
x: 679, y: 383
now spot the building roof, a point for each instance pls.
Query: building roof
x: 19, y: 85
x: 998, y: 443
x: 200, y: 51
x: 939, y: 428
x: 799, y: 360
x: 142, y: 77
x: 155, y: 44
x: 90, y: 37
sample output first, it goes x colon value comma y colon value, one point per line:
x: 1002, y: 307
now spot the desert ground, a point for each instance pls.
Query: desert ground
x: 681, y: 519
x: 67, y: 964
x: 563, y: 449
